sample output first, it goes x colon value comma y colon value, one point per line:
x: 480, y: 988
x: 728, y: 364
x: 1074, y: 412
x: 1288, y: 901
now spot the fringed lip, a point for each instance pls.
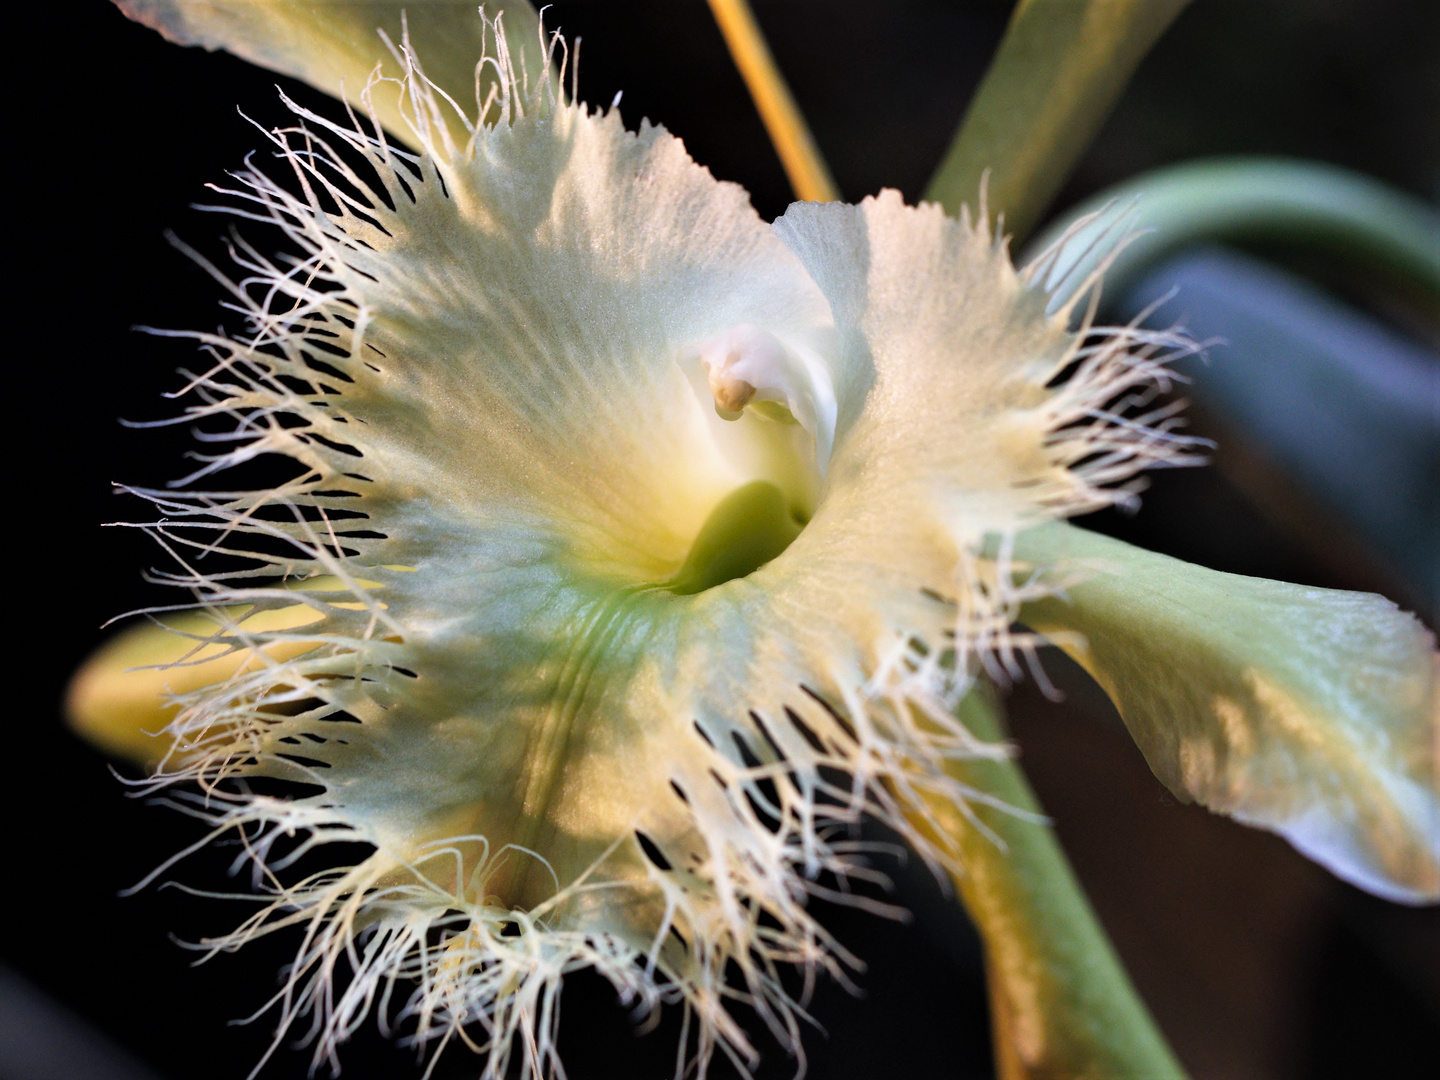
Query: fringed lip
x: 558, y: 756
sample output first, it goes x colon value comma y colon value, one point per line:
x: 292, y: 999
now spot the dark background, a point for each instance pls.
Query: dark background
x: 1256, y: 963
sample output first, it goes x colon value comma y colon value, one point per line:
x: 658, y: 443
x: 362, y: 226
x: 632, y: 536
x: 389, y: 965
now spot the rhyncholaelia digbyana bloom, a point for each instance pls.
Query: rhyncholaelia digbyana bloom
x: 634, y: 548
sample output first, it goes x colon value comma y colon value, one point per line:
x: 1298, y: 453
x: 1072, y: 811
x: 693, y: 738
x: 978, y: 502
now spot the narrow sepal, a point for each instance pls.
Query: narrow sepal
x: 336, y: 45
x: 1061, y: 1003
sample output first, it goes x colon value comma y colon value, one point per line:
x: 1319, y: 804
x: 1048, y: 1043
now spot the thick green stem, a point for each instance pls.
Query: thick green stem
x: 1060, y: 67
x: 1062, y: 1005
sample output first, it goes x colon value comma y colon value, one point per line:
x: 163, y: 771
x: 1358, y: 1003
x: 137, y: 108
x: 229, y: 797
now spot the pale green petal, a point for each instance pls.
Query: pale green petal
x: 334, y: 45
x: 1309, y: 712
x: 123, y: 697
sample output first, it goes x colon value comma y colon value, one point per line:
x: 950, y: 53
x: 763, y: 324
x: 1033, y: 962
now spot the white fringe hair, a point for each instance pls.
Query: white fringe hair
x: 417, y: 938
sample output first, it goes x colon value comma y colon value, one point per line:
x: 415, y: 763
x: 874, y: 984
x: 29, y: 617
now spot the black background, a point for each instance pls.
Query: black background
x: 1256, y: 963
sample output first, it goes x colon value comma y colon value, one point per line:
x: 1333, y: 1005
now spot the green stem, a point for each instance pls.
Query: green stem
x: 1061, y: 1003
x: 1060, y: 67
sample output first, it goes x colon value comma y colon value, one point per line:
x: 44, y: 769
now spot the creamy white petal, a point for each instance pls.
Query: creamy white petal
x: 947, y: 428
x: 486, y: 360
x: 1309, y: 712
x: 584, y: 685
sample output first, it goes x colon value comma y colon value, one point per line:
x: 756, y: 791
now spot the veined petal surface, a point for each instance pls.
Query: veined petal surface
x: 1308, y: 712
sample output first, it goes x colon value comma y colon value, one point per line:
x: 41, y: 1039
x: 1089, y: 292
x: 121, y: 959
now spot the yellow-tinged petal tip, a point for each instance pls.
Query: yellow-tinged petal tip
x: 123, y: 696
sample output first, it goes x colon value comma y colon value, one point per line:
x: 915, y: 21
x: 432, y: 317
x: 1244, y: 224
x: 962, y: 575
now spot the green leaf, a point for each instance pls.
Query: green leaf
x: 1363, y: 227
x: 1060, y: 68
x: 1309, y: 712
x: 332, y: 44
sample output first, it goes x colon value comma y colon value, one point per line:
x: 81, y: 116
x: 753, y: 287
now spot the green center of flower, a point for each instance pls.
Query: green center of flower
x: 747, y: 529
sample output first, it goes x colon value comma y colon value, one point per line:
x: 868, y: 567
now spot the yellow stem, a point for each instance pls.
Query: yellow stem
x: 793, y: 142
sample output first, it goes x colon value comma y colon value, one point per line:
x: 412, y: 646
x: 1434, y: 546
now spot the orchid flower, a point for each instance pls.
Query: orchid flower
x: 632, y: 549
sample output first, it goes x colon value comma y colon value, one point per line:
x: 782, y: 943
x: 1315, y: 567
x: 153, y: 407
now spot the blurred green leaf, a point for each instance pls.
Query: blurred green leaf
x: 1361, y: 225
